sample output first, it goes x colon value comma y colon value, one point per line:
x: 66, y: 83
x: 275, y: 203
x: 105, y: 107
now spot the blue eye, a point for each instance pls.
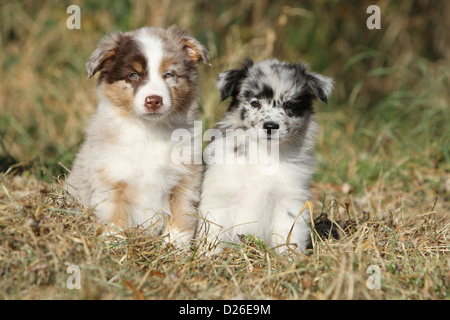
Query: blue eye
x: 134, y: 76
x: 168, y: 75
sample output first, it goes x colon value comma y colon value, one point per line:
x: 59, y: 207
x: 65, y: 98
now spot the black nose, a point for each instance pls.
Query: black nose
x: 270, y: 125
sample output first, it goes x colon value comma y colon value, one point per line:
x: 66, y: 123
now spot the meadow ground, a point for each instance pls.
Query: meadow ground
x: 382, y: 178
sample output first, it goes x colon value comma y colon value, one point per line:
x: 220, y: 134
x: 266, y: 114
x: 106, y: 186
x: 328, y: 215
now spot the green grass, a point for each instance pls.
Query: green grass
x: 383, y: 152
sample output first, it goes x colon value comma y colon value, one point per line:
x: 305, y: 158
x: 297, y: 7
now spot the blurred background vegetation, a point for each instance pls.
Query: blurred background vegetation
x: 386, y: 124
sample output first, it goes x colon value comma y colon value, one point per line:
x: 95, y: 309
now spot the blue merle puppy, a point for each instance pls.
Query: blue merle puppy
x: 275, y: 98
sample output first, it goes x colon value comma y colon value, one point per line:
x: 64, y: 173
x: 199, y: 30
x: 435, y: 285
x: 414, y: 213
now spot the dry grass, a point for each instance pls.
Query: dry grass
x: 41, y: 236
x: 382, y: 183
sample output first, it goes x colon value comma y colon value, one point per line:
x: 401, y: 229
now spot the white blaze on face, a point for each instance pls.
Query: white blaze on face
x: 153, y: 51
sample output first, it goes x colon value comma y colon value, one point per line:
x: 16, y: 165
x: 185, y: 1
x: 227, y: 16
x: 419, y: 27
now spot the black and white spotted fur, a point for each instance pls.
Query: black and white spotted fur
x: 275, y: 98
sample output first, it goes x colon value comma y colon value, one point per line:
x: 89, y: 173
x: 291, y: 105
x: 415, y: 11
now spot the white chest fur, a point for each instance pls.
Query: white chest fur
x: 240, y: 199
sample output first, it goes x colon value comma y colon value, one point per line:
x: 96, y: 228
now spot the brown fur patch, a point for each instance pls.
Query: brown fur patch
x: 103, y: 54
x: 120, y: 94
x: 122, y: 202
x: 183, y: 86
x: 183, y: 95
x: 127, y: 58
x: 137, y: 66
x: 121, y: 198
x: 194, y: 50
x: 184, y: 200
x: 166, y: 64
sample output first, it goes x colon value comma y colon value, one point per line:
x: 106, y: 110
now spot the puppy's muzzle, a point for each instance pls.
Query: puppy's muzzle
x: 153, y: 103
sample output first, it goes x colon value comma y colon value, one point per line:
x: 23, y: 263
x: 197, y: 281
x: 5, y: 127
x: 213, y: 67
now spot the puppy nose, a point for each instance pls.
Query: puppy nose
x: 153, y: 103
x: 270, y: 125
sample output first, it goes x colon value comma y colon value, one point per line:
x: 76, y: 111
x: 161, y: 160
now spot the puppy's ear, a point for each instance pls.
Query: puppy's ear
x: 320, y: 85
x: 195, y: 50
x: 228, y: 82
x: 103, y: 54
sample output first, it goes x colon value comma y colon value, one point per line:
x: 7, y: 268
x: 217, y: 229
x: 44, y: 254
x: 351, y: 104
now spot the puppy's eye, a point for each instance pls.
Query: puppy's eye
x: 134, y: 76
x: 168, y: 75
x: 255, y: 104
x: 289, y: 105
